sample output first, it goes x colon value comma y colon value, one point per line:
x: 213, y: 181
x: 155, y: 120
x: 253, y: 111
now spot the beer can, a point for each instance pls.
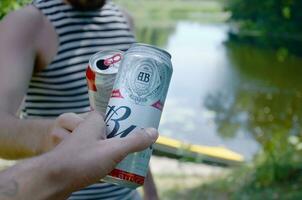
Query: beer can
x: 100, y: 74
x: 137, y: 101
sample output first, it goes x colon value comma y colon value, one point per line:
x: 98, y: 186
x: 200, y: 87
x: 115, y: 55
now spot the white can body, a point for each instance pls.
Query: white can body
x: 99, y: 97
x: 136, y: 102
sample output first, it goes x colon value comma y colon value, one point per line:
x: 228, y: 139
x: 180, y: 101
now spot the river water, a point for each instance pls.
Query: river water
x: 229, y: 94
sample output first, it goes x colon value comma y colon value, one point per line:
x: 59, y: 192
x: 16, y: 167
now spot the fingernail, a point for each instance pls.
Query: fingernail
x: 152, y: 132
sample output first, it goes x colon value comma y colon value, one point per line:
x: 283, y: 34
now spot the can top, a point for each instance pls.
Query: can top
x: 147, y: 47
x: 106, y: 62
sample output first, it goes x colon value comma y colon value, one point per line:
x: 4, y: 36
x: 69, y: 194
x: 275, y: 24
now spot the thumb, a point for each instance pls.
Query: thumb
x: 93, y: 127
x: 137, y: 141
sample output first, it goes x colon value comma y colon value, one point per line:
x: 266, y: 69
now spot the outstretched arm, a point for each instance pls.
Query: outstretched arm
x: 78, y: 161
x: 19, y: 35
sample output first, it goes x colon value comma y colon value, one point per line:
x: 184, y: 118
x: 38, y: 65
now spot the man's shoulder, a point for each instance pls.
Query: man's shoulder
x: 27, y: 17
x: 125, y: 13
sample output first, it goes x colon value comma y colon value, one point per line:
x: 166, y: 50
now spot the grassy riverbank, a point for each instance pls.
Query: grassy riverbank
x: 175, y: 179
x: 239, y: 185
x: 257, y: 181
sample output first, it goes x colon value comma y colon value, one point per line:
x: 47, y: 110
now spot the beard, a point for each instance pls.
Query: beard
x: 87, y: 4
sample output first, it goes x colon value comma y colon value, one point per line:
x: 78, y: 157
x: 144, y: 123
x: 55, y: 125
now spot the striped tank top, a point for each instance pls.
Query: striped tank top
x: 61, y: 87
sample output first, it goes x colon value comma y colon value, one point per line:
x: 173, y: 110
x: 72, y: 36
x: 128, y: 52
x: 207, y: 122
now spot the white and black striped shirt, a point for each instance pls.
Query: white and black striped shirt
x: 61, y: 87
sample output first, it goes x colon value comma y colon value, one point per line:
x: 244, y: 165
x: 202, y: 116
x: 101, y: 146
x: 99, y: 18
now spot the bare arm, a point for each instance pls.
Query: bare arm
x: 150, y: 191
x: 79, y: 161
x: 19, y: 33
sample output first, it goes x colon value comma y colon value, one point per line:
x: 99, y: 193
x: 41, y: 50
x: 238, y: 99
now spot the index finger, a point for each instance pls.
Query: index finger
x: 69, y: 121
x: 93, y: 126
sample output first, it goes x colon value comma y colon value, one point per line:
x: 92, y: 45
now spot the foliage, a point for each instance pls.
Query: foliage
x: 167, y: 12
x: 266, y: 103
x: 8, y: 5
x: 273, y: 17
x: 279, y: 163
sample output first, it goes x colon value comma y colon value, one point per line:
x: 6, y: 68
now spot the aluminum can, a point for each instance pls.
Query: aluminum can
x: 100, y: 74
x: 137, y: 101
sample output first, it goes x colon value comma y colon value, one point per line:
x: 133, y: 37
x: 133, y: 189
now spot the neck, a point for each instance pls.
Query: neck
x: 85, y: 4
x: 66, y: 2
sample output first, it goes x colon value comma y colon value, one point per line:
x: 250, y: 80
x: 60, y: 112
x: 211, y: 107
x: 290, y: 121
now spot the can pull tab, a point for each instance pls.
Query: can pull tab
x: 114, y: 59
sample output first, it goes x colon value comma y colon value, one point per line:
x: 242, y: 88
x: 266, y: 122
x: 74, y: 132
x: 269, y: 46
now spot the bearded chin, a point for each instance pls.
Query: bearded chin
x: 87, y: 4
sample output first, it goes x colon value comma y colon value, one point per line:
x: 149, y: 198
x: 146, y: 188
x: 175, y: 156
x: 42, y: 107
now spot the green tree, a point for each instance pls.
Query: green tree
x: 271, y: 17
x: 267, y: 105
x: 8, y: 5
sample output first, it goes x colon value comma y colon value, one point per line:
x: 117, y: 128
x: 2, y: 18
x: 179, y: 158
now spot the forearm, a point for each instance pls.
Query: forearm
x: 150, y: 191
x: 21, y: 138
x: 33, y: 179
x: 79, y: 161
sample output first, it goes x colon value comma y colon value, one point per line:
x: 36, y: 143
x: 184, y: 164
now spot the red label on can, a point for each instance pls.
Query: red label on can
x: 134, y: 178
x: 91, y: 79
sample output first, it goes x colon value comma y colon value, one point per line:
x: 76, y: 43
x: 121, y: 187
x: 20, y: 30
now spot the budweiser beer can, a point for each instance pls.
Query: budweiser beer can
x: 136, y: 102
x: 100, y: 74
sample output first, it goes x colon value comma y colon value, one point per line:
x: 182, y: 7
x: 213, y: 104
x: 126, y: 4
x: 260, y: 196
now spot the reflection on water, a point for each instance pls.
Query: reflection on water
x: 226, y: 94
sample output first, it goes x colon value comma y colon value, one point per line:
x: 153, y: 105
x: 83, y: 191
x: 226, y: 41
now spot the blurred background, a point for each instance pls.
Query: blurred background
x: 236, y: 84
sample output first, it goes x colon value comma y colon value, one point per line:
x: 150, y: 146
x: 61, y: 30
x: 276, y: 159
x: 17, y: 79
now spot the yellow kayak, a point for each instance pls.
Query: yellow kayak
x: 173, y: 148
